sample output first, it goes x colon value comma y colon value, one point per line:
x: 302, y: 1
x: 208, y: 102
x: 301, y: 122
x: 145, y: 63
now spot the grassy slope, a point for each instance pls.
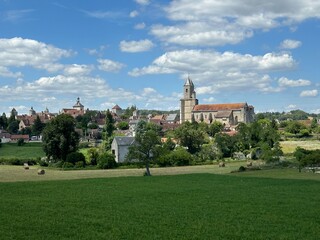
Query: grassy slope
x: 196, y: 206
x: 289, y: 147
x: 27, y: 151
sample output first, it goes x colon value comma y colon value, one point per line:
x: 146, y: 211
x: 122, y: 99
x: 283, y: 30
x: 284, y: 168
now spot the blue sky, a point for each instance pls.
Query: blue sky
x: 139, y: 52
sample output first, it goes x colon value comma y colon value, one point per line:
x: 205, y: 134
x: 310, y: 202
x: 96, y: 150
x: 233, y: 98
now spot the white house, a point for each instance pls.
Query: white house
x: 120, y: 147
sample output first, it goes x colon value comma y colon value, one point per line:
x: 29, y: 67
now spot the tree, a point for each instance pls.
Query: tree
x: 123, y: 125
x: 215, y: 128
x: 37, y: 126
x: 109, y: 126
x: 190, y: 136
x: 3, y: 121
x: 294, y: 127
x: 60, y: 137
x: 145, y: 147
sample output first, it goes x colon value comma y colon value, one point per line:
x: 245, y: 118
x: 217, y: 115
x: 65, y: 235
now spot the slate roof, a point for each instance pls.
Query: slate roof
x: 219, y: 107
x: 223, y: 114
x: 172, y: 117
x: 124, y: 141
x: 117, y: 107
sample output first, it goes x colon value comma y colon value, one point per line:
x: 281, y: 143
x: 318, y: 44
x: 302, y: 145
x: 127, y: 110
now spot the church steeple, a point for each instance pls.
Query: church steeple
x: 189, y: 89
x: 188, y: 101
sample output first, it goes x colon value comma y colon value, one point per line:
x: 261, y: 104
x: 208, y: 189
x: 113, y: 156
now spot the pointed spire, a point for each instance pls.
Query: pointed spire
x: 188, y: 82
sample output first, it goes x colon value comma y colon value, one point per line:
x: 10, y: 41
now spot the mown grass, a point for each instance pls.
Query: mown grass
x: 27, y: 151
x: 196, y: 206
x: 288, y: 147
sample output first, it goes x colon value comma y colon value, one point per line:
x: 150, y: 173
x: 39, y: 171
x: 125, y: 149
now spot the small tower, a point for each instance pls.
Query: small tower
x: 32, y: 112
x: 188, y: 102
x: 78, y: 105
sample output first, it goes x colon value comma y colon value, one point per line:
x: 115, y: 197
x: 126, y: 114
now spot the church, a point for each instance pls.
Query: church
x: 229, y: 114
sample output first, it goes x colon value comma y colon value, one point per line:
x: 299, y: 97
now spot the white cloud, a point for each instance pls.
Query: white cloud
x: 213, y: 71
x: 136, y: 46
x: 133, y: 14
x: 19, y: 52
x: 290, y: 44
x: 148, y: 91
x: 291, y: 107
x: 143, y: 2
x: 140, y: 26
x: 209, y: 100
x: 4, y: 72
x: 309, y: 93
x: 285, y: 82
x: 76, y: 69
x: 109, y: 65
x: 213, y: 23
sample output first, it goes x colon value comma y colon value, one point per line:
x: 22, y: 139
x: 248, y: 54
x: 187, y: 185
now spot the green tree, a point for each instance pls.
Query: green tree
x: 294, y: 127
x: 225, y: 143
x: 190, y: 136
x: 37, y: 126
x: 106, y: 161
x: 145, y: 148
x: 214, y: 128
x: 60, y: 138
x: 13, y: 126
x: 123, y: 125
x: 3, y: 121
x: 109, y: 126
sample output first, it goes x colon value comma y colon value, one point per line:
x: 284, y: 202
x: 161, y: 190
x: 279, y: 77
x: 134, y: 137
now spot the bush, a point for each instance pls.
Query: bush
x: 43, y: 163
x: 79, y: 164
x: 20, y: 142
x: 67, y: 165
x: 106, y: 161
x: 76, y: 157
x: 179, y: 157
x: 58, y: 164
x: 84, y: 145
x: 17, y: 161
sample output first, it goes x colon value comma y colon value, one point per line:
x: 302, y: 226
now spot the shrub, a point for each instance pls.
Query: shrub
x: 76, y: 157
x: 20, y: 142
x: 79, y: 164
x: 179, y: 157
x: 67, y: 165
x: 106, y: 161
x: 58, y: 164
x: 84, y: 145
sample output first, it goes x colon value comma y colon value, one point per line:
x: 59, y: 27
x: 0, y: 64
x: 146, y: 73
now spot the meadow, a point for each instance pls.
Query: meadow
x: 31, y: 150
x: 188, y: 206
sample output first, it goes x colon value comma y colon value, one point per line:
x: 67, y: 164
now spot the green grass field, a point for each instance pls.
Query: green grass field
x: 27, y: 151
x: 194, y: 206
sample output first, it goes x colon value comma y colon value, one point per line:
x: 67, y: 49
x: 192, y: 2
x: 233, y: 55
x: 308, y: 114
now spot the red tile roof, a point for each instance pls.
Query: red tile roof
x: 218, y: 107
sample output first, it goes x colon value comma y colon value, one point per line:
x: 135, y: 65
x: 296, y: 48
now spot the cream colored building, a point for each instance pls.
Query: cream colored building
x: 229, y: 114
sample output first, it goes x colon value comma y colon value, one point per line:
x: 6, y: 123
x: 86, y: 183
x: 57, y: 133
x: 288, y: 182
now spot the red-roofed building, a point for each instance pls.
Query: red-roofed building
x: 229, y: 114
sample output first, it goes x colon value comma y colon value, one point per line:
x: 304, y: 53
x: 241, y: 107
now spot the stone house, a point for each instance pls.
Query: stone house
x: 120, y: 147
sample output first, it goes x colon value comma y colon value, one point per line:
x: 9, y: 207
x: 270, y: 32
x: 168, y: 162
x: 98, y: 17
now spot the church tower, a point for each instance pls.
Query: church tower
x: 188, y: 101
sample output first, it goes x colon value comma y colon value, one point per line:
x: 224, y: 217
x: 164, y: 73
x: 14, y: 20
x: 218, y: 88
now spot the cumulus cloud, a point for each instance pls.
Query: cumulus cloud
x: 290, y: 44
x: 285, y: 82
x: 291, y: 107
x: 108, y: 65
x: 309, y: 93
x: 19, y: 52
x: 76, y: 69
x: 213, y: 23
x: 214, y: 70
x: 136, y: 46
